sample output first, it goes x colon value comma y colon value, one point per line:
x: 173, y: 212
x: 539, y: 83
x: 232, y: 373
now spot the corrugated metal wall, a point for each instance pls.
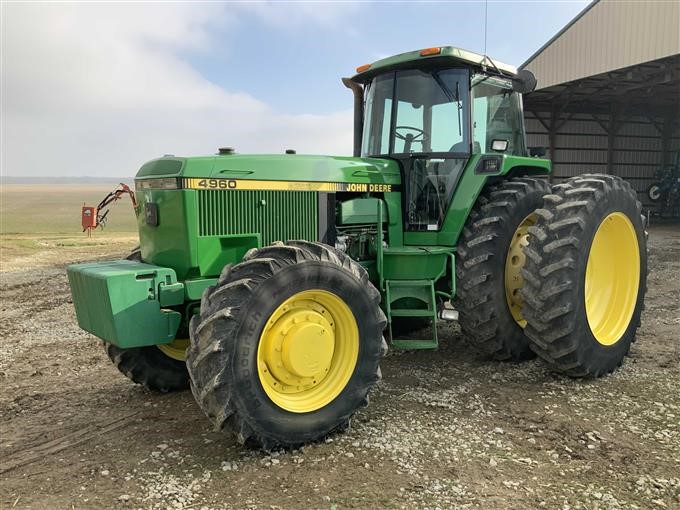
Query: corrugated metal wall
x: 618, y: 58
x: 581, y: 145
x: 609, y: 35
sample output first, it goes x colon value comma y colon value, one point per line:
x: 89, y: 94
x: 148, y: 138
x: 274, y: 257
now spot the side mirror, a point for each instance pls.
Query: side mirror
x: 499, y: 145
x: 537, y: 152
x: 524, y: 81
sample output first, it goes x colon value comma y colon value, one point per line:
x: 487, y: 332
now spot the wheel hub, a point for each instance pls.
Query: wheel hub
x: 298, y: 349
x: 177, y: 349
x: 308, y: 351
x: 514, y: 263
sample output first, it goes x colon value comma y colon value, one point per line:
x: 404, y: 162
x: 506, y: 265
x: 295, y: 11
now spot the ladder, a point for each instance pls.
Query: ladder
x: 409, y: 274
x: 420, y: 291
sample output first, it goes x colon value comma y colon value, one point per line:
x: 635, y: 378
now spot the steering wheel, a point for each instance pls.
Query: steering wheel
x: 414, y: 138
x: 420, y: 137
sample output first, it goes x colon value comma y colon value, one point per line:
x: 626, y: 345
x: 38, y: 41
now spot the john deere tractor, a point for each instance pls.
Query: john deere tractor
x: 269, y: 284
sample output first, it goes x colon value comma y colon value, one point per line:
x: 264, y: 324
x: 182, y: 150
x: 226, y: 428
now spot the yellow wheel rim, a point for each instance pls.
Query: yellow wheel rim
x: 514, y: 262
x: 308, y: 351
x: 612, y: 278
x: 177, y: 349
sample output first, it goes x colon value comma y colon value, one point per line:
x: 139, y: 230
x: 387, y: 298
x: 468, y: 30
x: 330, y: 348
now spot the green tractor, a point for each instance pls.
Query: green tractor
x: 265, y: 283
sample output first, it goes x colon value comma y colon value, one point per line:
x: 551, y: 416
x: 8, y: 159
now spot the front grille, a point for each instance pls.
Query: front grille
x: 276, y: 215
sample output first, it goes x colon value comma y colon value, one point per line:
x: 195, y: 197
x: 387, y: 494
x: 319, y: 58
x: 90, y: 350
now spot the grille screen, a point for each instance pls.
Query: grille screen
x: 276, y: 215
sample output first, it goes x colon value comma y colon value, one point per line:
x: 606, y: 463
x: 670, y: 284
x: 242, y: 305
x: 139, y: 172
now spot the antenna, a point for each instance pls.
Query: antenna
x: 486, y: 12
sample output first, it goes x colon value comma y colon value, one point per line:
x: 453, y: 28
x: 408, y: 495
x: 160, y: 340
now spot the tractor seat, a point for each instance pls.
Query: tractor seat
x: 463, y: 147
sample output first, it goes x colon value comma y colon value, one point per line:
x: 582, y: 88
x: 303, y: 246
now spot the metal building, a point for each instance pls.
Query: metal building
x: 608, y: 93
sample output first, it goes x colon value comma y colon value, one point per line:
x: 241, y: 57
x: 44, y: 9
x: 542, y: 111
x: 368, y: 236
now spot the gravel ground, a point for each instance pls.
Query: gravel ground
x: 445, y: 429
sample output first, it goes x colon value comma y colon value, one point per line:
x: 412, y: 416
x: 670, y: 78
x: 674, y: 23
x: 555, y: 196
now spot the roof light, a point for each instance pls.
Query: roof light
x: 363, y: 68
x: 430, y: 51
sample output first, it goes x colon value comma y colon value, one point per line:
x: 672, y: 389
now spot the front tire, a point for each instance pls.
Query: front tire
x: 585, y: 276
x: 287, y: 345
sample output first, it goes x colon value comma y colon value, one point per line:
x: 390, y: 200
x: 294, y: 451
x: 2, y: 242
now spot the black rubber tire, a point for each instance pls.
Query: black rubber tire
x: 148, y: 366
x: 485, y: 317
x: 554, y: 274
x: 650, y: 193
x: 222, y: 356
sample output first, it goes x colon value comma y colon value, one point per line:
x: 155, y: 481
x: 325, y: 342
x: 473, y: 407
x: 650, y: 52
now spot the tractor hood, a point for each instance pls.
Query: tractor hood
x: 289, y: 167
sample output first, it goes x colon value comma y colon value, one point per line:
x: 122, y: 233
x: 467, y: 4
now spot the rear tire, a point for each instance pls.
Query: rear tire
x: 485, y: 315
x: 585, y: 276
x: 149, y: 366
x: 234, y: 382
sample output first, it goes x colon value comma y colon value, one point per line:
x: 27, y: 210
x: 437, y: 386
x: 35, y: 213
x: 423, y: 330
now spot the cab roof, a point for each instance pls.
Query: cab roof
x: 437, y: 56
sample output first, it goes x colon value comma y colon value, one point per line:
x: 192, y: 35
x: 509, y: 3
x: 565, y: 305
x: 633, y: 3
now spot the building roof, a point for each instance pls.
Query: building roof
x: 648, y: 89
x: 606, y: 36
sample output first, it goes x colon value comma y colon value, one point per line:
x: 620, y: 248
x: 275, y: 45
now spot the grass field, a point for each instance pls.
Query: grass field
x: 38, y: 221
x: 55, y: 209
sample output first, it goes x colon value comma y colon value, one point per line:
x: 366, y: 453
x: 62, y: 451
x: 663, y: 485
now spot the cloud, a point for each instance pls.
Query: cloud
x: 97, y: 89
x: 292, y: 16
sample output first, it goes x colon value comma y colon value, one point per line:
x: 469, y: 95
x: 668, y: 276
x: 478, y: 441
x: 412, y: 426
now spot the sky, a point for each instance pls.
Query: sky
x: 97, y: 89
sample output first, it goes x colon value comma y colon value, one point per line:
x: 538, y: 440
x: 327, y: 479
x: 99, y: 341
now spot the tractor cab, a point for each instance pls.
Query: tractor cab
x: 432, y: 111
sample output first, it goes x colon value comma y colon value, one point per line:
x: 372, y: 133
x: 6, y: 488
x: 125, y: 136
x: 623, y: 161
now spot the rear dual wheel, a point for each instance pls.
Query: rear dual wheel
x: 287, y: 344
x: 585, y: 275
x: 490, y: 258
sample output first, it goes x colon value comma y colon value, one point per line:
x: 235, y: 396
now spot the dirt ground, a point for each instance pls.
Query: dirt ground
x: 445, y: 429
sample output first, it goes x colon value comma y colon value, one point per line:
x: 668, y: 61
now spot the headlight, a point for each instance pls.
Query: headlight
x: 162, y: 183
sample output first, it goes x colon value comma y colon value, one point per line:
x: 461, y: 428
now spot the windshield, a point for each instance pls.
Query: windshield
x: 430, y: 114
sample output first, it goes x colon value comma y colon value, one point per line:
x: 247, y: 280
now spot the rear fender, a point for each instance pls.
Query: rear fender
x: 474, y: 180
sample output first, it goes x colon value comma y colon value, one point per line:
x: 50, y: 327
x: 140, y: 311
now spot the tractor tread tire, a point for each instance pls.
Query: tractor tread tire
x: 149, y: 367
x: 555, y: 271
x: 485, y: 317
x: 220, y: 332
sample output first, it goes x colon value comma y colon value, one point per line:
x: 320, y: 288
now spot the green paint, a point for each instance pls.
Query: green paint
x: 287, y: 167
x: 469, y: 188
x: 359, y: 211
x: 120, y: 301
x: 194, y: 288
x: 411, y: 298
x: 449, y: 56
x: 173, y: 242
x: 415, y: 263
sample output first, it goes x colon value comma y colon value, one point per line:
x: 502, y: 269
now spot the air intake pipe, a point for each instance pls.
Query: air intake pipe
x: 358, y: 92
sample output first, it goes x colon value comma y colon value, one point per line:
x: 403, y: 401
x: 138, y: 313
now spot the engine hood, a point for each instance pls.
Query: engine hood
x: 289, y: 167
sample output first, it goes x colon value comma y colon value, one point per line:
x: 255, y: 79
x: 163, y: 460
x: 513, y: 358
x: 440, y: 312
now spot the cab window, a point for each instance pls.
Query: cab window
x: 496, y: 115
x: 429, y: 114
